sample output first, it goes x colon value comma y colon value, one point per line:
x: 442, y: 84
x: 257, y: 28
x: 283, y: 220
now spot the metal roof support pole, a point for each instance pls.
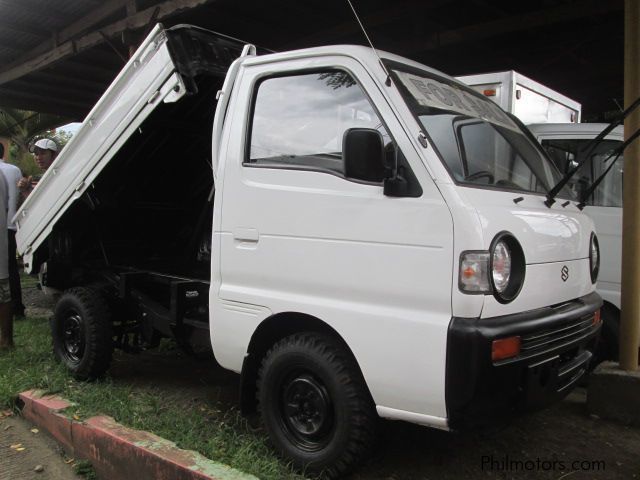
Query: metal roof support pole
x: 630, y: 317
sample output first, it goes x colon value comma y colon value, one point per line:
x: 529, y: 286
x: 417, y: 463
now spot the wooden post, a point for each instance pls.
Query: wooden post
x: 630, y: 317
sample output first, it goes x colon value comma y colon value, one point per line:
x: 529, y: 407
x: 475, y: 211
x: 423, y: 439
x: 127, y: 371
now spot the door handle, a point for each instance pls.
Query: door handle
x: 246, y: 235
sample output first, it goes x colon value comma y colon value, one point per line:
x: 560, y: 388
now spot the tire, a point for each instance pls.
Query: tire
x: 82, y: 334
x: 315, y: 406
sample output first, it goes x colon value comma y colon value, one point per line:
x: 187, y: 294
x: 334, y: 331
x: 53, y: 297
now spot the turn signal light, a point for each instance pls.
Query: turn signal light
x: 505, y: 348
x: 596, y: 317
x: 489, y: 92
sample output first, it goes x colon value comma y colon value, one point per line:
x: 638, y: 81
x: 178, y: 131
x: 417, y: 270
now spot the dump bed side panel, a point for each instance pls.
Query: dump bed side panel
x: 143, y: 83
x: 162, y: 70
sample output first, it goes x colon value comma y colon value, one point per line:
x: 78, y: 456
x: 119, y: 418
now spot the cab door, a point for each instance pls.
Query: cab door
x: 295, y: 235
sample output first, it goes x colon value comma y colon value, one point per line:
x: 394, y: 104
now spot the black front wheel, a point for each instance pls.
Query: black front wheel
x: 315, y: 406
x: 81, y: 330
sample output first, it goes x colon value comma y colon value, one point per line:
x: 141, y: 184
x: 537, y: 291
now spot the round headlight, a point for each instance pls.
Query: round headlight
x: 507, y: 267
x: 501, y: 262
x: 594, y: 257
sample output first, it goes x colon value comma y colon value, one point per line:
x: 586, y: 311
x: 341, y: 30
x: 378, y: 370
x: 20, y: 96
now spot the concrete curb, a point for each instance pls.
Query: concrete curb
x: 118, y: 452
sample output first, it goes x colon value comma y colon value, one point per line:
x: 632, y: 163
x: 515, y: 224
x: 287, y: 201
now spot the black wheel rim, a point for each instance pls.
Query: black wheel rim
x: 307, y: 412
x: 73, y: 339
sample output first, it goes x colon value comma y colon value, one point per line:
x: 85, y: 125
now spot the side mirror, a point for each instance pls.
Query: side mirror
x: 363, y: 155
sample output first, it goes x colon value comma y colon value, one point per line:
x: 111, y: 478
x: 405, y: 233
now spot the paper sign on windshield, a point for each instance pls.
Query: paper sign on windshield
x: 429, y: 92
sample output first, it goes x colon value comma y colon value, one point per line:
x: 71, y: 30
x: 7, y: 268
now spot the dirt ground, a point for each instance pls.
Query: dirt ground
x: 562, y: 442
x: 36, y: 303
x: 23, y: 448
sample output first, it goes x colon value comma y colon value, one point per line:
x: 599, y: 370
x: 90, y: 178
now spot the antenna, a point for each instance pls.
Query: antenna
x: 388, y: 81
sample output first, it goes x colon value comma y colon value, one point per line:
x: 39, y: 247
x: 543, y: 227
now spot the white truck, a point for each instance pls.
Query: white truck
x: 341, y: 224
x: 530, y: 101
x: 565, y: 144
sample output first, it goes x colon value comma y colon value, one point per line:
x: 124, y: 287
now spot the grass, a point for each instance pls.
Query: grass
x: 28, y: 281
x: 85, y: 469
x: 222, y: 435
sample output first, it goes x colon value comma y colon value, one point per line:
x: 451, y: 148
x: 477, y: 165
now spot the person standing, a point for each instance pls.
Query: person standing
x: 45, y: 152
x: 6, y: 319
x: 12, y: 175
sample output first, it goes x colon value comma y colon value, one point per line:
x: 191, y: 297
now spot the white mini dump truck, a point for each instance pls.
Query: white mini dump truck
x: 361, y: 238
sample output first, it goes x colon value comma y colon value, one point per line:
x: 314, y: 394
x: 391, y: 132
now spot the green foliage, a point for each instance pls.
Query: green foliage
x: 25, y: 162
x: 22, y: 127
x: 85, y: 469
x: 220, y: 434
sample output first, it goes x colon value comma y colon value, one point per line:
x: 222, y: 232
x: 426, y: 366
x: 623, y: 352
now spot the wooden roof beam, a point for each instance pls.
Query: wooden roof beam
x: 72, y: 47
x: 78, y: 27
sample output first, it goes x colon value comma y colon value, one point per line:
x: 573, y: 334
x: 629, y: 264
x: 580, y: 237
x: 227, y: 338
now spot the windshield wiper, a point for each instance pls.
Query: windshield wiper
x: 615, y: 155
x: 585, y: 152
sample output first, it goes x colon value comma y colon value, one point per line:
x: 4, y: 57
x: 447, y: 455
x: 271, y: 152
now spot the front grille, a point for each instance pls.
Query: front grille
x: 545, y: 340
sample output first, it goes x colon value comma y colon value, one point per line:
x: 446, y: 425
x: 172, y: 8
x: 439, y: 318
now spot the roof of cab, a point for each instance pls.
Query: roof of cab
x: 365, y: 55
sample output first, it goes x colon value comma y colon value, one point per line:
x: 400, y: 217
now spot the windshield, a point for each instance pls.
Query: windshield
x: 477, y: 141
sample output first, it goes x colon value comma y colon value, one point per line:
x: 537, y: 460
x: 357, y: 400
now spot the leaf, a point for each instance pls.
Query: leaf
x: 20, y: 449
x: 15, y: 446
x: 35, y: 430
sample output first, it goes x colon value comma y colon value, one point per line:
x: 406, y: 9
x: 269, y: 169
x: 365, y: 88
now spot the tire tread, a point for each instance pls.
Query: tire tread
x: 99, y: 340
x: 360, y: 404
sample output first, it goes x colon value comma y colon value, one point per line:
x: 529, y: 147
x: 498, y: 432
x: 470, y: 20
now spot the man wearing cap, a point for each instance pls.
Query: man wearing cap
x: 12, y: 175
x: 45, y: 152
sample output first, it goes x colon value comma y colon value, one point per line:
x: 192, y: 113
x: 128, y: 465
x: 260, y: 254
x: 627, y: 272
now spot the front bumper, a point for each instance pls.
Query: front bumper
x: 556, y: 347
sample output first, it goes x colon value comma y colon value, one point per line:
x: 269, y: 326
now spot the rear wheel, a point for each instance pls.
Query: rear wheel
x: 81, y: 330
x: 315, y: 406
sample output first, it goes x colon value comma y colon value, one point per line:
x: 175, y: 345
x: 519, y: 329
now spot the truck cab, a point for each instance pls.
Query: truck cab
x: 360, y: 236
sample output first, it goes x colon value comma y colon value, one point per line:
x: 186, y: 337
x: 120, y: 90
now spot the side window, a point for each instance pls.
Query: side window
x: 566, y: 153
x: 299, y: 121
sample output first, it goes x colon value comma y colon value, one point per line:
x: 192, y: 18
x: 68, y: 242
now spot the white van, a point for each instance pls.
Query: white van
x: 564, y: 144
x: 530, y: 101
x: 358, y: 241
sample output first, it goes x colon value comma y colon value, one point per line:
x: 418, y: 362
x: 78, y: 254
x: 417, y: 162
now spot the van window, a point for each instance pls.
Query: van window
x: 565, y: 153
x: 299, y: 120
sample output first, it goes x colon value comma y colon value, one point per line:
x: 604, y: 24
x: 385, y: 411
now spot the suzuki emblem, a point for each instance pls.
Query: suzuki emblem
x: 564, y: 273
